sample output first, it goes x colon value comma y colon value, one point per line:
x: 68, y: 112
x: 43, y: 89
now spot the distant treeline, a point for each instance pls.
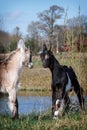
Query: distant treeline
x: 71, y: 35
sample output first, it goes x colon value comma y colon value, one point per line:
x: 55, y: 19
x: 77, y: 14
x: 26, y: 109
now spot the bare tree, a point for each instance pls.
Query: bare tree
x: 77, y: 27
x: 33, y: 29
x: 16, y: 32
x: 48, y: 19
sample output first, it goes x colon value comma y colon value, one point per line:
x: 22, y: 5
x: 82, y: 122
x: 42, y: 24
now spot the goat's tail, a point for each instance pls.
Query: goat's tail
x: 79, y: 91
x: 77, y: 88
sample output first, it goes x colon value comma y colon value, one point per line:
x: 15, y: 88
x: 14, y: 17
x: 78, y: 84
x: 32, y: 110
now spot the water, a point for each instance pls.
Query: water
x: 29, y: 104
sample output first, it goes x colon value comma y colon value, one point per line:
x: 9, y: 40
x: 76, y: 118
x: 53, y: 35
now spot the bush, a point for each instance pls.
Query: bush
x: 12, y: 46
x: 3, y: 49
x: 33, y: 45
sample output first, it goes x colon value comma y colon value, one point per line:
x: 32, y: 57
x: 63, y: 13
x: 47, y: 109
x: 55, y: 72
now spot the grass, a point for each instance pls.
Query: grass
x: 70, y: 121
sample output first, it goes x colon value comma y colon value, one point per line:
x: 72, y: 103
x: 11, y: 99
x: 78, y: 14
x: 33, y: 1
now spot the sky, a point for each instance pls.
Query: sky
x: 20, y: 13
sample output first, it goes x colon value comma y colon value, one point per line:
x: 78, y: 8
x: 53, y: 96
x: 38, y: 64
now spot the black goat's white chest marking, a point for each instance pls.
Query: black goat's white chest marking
x: 68, y: 85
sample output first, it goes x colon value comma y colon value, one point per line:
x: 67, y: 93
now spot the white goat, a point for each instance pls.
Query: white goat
x: 10, y: 69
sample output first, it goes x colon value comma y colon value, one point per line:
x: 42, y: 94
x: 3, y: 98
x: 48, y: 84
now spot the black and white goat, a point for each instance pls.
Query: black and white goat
x: 63, y: 80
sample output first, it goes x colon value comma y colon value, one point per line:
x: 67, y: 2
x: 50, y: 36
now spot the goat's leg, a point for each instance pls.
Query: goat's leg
x: 53, y: 101
x: 13, y: 103
x: 67, y: 102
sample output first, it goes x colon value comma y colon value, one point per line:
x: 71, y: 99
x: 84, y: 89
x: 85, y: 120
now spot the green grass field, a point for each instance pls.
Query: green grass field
x: 70, y: 121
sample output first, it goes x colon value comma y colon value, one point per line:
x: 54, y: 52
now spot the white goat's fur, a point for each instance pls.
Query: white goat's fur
x: 10, y: 70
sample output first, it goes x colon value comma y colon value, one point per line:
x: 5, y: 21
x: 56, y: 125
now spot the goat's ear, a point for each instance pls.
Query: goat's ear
x: 44, y: 47
x: 21, y: 45
x: 51, y: 53
x: 50, y: 48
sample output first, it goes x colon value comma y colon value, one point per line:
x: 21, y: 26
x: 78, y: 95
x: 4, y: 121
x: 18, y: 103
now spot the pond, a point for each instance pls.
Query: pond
x: 29, y: 103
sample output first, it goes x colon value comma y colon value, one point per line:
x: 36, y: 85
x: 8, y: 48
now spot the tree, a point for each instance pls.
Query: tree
x: 33, y: 30
x: 4, y: 41
x: 13, y: 45
x: 32, y: 44
x: 77, y: 27
x: 33, y: 39
x: 48, y: 18
x: 16, y: 33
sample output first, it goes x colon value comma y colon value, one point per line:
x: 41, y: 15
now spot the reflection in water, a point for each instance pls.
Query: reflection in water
x: 29, y: 104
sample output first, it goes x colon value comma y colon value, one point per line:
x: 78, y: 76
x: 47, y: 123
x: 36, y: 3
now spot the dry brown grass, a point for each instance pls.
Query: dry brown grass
x: 36, y: 79
x: 39, y: 78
